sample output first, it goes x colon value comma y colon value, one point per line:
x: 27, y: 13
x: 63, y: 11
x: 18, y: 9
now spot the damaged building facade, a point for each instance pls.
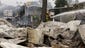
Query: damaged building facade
x: 27, y: 15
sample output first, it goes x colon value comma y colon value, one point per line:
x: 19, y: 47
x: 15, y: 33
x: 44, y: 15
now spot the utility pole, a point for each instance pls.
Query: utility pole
x: 44, y: 10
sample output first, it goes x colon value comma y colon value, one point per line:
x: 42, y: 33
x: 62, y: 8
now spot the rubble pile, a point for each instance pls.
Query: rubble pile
x: 49, y: 34
x: 66, y: 34
x: 12, y: 37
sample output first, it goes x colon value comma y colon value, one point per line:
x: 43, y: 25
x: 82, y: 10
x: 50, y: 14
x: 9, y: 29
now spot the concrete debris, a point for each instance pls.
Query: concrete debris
x: 64, y: 33
x: 13, y: 35
x: 82, y: 32
x: 5, y: 22
x: 52, y: 28
x: 55, y: 28
x: 10, y: 34
x: 14, y: 41
x: 58, y: 45
x: 10, y: 45
x: 59, y: 34
x: 17, y: 32
x: 73, y: 25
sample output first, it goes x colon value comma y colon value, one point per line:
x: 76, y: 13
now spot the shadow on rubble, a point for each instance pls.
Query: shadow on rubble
x: 77, y: 41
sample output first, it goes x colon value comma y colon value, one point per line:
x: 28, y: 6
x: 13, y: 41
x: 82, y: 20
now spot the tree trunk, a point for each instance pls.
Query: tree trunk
x: 44, y: 10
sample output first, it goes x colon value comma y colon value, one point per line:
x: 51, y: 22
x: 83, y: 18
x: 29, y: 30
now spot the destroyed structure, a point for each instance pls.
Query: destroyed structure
x: 49, y: 34
x: 21, y: 28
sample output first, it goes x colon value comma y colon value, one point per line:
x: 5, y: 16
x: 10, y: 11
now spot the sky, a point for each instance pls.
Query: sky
x: 16, y: 2
x: 81, y: 0
x: 21, y: 2
x: 13, y: 2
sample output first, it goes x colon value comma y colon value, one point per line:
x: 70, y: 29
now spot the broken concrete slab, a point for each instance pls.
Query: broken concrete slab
x: 14, y: 41
x: 17, y: 32
x: 55, y: 28
x: 73, y: 25
x: 82, y: 32
x: 52, y: 28
x: 10, y: 45
x: 5, y: 22
x: 67, y: 34
x: 12, y: 35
